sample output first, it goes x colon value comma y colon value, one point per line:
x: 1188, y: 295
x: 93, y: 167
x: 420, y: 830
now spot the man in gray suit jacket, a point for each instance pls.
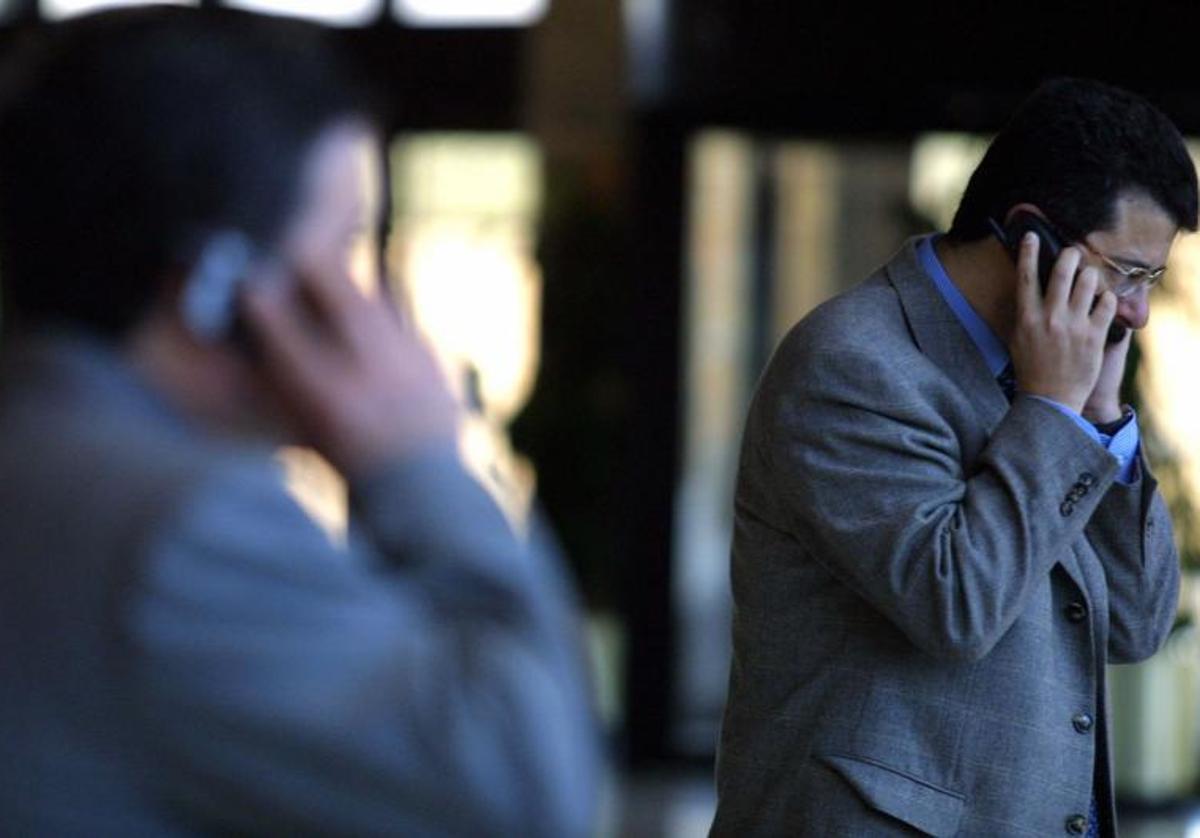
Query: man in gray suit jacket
x: 931, y: 566
x: 182, y: 650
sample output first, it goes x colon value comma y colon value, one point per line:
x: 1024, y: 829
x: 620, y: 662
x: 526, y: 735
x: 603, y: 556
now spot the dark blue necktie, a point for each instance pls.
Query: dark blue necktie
x: 1007, y: 380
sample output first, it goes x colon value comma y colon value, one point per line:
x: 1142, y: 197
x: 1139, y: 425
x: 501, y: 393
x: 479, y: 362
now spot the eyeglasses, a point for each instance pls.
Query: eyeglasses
x: 1133, y: 278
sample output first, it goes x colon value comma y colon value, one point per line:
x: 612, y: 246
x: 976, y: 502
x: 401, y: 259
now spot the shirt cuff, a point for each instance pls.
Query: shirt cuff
x: 1125, y: 445
x: 1122, y: 445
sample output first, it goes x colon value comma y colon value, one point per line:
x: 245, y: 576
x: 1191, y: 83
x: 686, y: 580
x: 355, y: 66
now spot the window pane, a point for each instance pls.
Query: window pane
x: 332, y: 12
x: 59, y: 9
x: 465, y: 211
x: 470, y: 12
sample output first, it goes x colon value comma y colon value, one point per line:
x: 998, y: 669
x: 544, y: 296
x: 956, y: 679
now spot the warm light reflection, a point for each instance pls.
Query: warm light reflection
x: 1170, y: 347
x: 318, y: 489
x: 941, y: 166
x: 471, y: 12
x: 462, y: 249
x: 465, y: 212
x: 718, y: 324
x: 364, y: 246
x: 332, y: 12
x: 478, y: 298
x: 59, y: 9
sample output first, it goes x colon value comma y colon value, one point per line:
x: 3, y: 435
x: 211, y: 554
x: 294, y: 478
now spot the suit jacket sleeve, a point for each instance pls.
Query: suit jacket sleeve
x: 423, y: 682
x: 1131, y: 532
x: 866, y: 470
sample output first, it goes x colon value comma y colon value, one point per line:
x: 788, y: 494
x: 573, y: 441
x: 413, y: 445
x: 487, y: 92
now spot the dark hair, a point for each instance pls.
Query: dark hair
x: 127, y: 137
x: 1072, y: 148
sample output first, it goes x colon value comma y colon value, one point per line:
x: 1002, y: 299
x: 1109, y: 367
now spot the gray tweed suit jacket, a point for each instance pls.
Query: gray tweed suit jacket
x: 183, y: 652
x: 928, y: 583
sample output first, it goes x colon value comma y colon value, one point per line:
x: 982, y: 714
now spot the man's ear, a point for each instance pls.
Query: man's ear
x: 1033, y: 209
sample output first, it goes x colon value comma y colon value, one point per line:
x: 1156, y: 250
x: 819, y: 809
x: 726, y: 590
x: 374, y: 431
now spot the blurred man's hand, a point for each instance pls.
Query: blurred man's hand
x: 352, y: 375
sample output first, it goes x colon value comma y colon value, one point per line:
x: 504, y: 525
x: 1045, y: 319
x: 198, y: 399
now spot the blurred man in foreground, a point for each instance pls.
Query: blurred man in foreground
x: 181, y: 649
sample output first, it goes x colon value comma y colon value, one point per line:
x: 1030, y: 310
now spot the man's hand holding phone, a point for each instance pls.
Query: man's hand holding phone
x: 1103, y: 406
x: 351, y: 373
x: 1058, y: 345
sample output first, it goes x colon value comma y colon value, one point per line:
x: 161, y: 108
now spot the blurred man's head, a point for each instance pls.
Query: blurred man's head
x: 152, y: 162
x: 1072, y: 149
x: 130, y: 139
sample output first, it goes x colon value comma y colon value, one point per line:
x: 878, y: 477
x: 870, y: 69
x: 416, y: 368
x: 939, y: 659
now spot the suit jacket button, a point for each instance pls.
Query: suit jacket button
x: 1087, y: 478
x: 1083, y: 722
x: 1067, y: 508
x: 1076, y: 612
x: 1077, y: 824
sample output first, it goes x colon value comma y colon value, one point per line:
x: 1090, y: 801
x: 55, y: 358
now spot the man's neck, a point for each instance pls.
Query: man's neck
x: 983, y: 272
x: 208, y: 384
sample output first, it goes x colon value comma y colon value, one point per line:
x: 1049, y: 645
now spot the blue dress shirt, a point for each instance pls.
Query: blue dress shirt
x: 1123, y: 445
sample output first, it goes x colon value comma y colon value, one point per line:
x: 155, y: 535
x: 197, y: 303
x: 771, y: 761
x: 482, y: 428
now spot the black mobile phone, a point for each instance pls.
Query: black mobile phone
x: 1049, y: 246
x: 1049, y: 249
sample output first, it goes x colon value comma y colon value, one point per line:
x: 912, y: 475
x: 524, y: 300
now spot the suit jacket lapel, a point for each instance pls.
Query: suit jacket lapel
x: 942, y: 338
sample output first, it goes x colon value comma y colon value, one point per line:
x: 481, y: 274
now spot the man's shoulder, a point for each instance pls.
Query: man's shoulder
x: 867, y: 319
x: 860, y: 346
x: 86, y: 445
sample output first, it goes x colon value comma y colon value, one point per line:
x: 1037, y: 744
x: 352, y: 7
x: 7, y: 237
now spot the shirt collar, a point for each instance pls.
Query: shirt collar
x: 995, y: 354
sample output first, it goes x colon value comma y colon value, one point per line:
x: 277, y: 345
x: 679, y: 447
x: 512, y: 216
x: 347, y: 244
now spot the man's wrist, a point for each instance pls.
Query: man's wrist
x: 1111, y: 426
x: 1106, y: 413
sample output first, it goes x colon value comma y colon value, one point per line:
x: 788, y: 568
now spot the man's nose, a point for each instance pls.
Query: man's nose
x: 1134, y: 310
